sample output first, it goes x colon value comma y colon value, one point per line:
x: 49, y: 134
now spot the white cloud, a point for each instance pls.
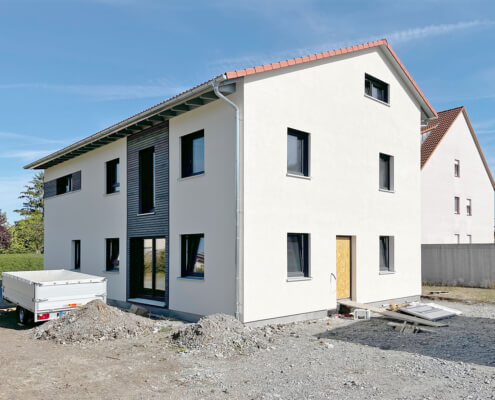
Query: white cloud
x: 104, y: 92
x: 26, y: 154
x: 36, y: 139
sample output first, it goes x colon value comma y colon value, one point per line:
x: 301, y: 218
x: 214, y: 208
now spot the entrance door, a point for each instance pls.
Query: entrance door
x: 343, y: 267
x: 147, y: 264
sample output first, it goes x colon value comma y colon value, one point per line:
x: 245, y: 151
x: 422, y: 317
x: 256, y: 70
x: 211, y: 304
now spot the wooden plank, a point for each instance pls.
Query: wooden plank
x: 390, y: 314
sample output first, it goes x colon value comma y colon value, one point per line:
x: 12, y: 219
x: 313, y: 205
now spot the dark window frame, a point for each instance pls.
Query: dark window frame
x: 303, y: 250
x: 147, y: 184
x: 113, y: 176
x: 457, y: 169
x: 386, y: 179
x: 187, y: 153
x: 76, y: 254
x: 457, y: 205
x: 187, y: 265
x: 303, y: 137
x: 469, y: 207
x: 64, y: 184
x: 379, y: 85
x: 386, y: 253
x: 112, y: 264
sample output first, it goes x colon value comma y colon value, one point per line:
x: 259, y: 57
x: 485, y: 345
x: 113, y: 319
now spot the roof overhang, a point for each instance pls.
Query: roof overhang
x: 177, y: 105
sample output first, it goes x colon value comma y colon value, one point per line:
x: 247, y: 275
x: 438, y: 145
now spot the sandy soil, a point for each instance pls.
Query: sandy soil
x: 329, y: 358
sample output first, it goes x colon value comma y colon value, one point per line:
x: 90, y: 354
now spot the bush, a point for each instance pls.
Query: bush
x: 20, y: 262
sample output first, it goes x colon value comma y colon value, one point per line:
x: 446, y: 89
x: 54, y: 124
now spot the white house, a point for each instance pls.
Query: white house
x: 456, y: 183
x: 266, y: 193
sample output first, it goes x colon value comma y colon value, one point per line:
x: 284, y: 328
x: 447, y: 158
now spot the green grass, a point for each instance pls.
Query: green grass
x: 20, y: 262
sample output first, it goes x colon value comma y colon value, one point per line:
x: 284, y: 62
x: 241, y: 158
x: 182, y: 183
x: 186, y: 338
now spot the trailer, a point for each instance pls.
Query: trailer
x: 48, y: 294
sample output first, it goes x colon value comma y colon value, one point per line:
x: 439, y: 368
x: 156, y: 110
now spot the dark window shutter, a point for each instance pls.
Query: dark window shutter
x: 76, y: 180
x: 50, y: 188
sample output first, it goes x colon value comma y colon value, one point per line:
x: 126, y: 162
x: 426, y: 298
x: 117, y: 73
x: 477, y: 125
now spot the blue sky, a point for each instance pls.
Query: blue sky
x: 71, y: 68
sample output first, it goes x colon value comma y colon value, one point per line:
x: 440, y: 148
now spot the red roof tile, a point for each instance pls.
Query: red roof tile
x: 438, y: 128
x: 326, y: 54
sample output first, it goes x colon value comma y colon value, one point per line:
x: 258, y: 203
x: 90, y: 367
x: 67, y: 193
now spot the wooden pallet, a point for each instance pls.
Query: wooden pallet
x: 391, y: 314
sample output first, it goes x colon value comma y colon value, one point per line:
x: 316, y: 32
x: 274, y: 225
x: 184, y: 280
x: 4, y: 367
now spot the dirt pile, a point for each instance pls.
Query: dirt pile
x: 94, y: 322
x: 222, y: 336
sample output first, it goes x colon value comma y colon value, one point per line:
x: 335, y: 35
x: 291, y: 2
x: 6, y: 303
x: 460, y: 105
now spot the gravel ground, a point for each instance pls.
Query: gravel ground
x: 331, y: 358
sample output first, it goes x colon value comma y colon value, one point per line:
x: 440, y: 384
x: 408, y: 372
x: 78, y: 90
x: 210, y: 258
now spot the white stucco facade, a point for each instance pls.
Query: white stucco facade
x: 439, y: 187
x: 89, y: 215
x: 347, y: 132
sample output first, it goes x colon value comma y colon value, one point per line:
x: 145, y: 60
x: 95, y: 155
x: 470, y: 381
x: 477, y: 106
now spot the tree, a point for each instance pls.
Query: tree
x: 5, y: 236
x: 32, y: 197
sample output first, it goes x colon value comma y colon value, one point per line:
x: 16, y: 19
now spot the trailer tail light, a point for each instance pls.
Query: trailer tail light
x: 43, y: 316
x: 72, y: 305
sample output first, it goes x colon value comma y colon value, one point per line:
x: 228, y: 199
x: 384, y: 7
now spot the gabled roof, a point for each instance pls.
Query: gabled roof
x: 202, y: 94
x: 438, y: 128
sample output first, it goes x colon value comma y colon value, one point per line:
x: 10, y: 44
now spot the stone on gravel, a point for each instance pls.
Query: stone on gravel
x: 221, y: 335
x: 95, y: 321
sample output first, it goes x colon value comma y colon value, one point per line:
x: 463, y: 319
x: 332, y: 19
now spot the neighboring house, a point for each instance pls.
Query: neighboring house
x: 319, y: 201
x: 457, y: 186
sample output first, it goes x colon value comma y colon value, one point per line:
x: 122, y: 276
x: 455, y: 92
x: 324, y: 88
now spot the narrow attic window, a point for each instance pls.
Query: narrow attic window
x: 376, y: 88
x: 113, y: 178
x: 457, y: 168
x: 457, y: 205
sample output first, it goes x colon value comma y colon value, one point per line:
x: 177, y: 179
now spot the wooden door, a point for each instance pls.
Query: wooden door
x: 343, y: 267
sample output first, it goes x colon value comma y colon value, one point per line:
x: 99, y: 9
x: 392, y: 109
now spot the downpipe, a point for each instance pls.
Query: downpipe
x: 237, y: 201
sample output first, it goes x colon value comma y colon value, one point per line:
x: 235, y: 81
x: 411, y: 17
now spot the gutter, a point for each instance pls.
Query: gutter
x: 171, y: 102
x: 237, y: 203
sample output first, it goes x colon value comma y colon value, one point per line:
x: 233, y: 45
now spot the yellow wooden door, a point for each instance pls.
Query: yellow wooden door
x: 343, y: 267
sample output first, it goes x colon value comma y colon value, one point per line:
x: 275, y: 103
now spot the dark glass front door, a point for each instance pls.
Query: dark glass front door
x: 147, y: 264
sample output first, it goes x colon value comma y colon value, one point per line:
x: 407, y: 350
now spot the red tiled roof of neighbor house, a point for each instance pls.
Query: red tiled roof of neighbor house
x: 327, y: 54
x: 438, y: 128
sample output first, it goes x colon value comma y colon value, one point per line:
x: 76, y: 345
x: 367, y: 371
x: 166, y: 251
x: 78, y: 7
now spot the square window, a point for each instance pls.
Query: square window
x: 376, y: 88
x: 469, y: 208
x: 297, y: 255
x: 457, y: 206
x: 193, y: 255
x: 147, y: 180
x: 386, y: 173
x: 193, y: 154
x: 386, y: 253
x: 457, y: 168
x: 64, y: 184
x: 76, y: 254
x: 112, y: 255
x: 113, y: 176
x: 297, y: 152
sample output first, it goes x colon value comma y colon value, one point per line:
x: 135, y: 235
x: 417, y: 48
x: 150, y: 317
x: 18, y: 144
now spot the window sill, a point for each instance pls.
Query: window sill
x: 191, y: 278
x: 144, y: 214
x: 378, y: 101
x: 299, y: 278
x: 387, y: 272
x: 186, y: 178
x: 298, y: 176
x: 111, y: 272
x: 386, y: 190
x: 111, y: 194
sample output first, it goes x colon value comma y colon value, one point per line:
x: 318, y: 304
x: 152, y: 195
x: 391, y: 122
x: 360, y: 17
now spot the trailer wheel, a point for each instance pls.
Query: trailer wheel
x: 24, y: 316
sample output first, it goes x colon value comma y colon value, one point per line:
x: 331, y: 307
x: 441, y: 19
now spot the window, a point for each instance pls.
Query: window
x: 386, y: 172
x: 297, y: 152
x: 386, y: 253
x: 147, y: 180
x: 457, y: 206
x: 470, y: 239
x: 457, y: 168
x: 193, y: 255
x: 469, y: 208
x: 76, y: 254
x: 113, y: 257
x: 297, y: 255
x: 113, y: 176
x: 64, y: 184
x: 193, y: 154
x: 375, y: 88
x: 457, y: 238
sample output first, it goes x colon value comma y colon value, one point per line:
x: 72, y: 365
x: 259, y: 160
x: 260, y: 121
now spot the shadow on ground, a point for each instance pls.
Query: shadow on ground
x: 466, y: 339
x: 8, y: 318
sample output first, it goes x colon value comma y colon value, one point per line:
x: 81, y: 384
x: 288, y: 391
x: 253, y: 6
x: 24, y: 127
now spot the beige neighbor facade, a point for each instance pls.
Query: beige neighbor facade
x: 271, y: 251
x: 457, y: 198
